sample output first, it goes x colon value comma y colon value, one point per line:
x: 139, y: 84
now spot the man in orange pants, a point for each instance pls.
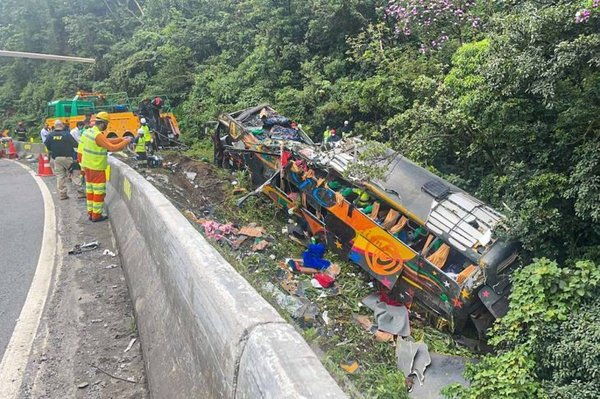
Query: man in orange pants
x: 95, y: 162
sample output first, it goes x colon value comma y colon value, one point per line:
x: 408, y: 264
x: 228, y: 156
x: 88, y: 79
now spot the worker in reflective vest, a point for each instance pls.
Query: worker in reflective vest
x: 140, y: 145
x: 95, y: 162
x: 148, y: 139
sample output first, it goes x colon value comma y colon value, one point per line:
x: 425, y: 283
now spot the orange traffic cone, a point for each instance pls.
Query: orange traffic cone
x: 12, y: 152
x: 44, y: 168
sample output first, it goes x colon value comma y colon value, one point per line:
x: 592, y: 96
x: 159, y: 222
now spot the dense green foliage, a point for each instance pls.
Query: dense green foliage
x: 505, y: 102
x: 503, y: 99
x: 549, y: 342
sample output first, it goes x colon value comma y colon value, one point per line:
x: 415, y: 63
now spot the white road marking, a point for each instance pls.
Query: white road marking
x: 14, y: 362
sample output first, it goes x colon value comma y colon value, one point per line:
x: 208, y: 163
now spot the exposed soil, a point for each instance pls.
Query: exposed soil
x: 88, y: 322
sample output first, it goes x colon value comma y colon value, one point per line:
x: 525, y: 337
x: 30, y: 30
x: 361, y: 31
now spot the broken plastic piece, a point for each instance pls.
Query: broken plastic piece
x: 350, y: 368
x: 109, y: 253
x: 79, y: 248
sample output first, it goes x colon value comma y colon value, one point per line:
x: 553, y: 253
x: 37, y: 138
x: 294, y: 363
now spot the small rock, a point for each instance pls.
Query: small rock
x: 83, y: 385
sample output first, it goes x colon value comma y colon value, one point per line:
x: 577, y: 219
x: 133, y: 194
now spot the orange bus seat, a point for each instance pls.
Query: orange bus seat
x: 439, y: 257
x: 391, y: 219
x: 400, y: 225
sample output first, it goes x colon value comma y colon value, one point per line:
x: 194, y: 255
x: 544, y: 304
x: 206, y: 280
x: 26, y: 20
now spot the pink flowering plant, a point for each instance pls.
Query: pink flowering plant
x: 583, y: 15
x: 433, y: 22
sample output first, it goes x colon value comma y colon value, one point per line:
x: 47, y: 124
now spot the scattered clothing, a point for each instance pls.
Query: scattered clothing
x: 313, y: 257
x: 216, y: 230
x: 388, y: 318
x: 412, y: 358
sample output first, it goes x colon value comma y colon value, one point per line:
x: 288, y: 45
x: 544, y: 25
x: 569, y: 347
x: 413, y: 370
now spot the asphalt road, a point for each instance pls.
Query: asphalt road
x: 21, y: 225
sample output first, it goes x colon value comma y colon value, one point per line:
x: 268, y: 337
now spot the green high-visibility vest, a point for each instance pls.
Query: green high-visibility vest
x: 81, y: 139
x: 94, y: 156
x: 140, y: 146
x: 147, y: 135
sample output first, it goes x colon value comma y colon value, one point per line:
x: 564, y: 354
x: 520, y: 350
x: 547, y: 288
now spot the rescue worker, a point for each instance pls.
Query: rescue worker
x: 95, y: 162
x: 61, y: 145
x: 326, y: 135
x: 21, y: 131
x: 333, y: 136
x: 148, y: 139
x: 141, y: 145
x: 346, y: 130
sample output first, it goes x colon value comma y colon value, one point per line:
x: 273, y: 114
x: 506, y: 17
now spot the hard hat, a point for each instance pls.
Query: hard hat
x: 346, y: 123
x: 143, y: 120
x: 58, y: 123
x: 103, y: 116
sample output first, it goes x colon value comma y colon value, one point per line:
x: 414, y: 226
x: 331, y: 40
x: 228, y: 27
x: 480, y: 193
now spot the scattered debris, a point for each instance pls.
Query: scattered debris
x: 191, y: 216
x: 260, y: 245
x: 109, y: 253
x: 322, y: 280
x: 191, y: 176
x: 79, y: 248
x: 412, y: 358
x: 298, y: 307
x: 130, y: 379
x: 388, y: 318
x: 239, y: 242
x: 325, y: 317
x: 350, y: 367
x: 252, y: 231
x: 111, y: 266
x: 130, y: 344
x: 216, y: 230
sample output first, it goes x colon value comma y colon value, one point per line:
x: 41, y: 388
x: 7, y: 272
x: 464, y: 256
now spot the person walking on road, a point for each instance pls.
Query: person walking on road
x: 61, y: 145
x: 95, y: 162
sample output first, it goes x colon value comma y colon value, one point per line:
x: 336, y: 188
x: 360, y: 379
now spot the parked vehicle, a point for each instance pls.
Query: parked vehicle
x: 426, y: 241
x: 124, y: 114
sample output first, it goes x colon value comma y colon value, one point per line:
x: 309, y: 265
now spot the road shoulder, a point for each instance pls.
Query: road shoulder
x: 83, y: 347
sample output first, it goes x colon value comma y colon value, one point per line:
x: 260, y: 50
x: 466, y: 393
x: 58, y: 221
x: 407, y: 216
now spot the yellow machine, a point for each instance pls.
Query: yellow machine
x: 123, y: 120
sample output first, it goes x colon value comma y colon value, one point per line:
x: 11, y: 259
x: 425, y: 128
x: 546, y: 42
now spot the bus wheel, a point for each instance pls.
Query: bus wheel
x: 111, y: 135
x: 129, y: 134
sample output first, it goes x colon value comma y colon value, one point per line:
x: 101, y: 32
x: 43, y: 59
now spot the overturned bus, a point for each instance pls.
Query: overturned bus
x: 428, y: 243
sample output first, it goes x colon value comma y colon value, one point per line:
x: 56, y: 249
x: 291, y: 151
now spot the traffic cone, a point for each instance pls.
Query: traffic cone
x: 44, y: 168
x: 12, y: 151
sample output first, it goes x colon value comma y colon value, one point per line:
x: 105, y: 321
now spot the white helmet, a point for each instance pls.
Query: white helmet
x: 143, y: 120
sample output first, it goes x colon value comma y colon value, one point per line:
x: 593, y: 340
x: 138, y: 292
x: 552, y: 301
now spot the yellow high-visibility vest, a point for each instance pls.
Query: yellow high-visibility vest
x: 140, y: 146
x: 81, y: 139
x: 94, y: 156
x: 147, y: 134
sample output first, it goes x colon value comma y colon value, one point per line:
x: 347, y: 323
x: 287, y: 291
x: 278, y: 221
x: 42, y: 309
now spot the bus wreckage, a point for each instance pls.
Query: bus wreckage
x: 429, y: 243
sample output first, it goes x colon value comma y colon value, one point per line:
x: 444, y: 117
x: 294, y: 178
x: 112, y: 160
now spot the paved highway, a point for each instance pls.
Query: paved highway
x: 21, y: 225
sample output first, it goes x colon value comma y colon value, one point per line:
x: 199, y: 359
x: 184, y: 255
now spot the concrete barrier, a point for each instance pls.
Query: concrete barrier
x: 205, y: 331
x: 29, y: 148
